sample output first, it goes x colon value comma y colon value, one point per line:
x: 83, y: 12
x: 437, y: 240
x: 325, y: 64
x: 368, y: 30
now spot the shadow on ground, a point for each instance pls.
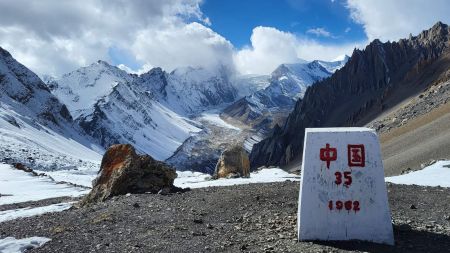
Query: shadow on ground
x: 405, y: 240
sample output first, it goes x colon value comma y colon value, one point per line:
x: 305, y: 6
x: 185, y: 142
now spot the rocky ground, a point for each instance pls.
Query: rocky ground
x: 433, y: 97
x: 246, y: 218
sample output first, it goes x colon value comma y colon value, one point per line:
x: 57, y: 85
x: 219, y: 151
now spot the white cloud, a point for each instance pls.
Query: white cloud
x: 392, y: 20
x: 319, y: 31
x: 183, y: 45
x: 54, y: 37
x: 271, y: 47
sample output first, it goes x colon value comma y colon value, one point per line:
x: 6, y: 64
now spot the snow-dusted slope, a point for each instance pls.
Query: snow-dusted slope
x: 81, y: 89
x: 131, y: 115
x: 114, y: 107
x: 287, y: 84
x: 249, y: 84
x: 190, y: 91
x: 35, y: 128
x: 148, y: 111
x: 289, y: 81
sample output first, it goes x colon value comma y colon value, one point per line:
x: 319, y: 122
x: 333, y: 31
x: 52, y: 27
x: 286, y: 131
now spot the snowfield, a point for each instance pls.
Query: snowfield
x: 17, y: 186
x: 213, y: 117
x: 13, y: 245
x: 199, y: 180
x: 28, y: 211
x: 437, y: 174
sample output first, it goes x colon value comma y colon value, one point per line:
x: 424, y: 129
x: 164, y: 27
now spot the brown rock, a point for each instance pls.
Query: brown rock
x: 233, y: 162
x: 123, y: 171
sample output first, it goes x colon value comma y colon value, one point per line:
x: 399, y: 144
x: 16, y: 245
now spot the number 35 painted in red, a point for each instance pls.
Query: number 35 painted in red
x: 347, y: 177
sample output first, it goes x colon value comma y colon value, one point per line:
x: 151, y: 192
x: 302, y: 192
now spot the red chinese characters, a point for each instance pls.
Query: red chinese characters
x: 356, y: 155
x: 328, y: 154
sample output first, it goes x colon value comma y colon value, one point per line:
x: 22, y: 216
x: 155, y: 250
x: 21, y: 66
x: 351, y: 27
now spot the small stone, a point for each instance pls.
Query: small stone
x: 198, y: 221
x: 196, y: 233
x: 128, y: 194
x: 136, y: 205
x: 447, y: 217
x: 243, y: 247
x: 209, y: 226
x: 412, y: 207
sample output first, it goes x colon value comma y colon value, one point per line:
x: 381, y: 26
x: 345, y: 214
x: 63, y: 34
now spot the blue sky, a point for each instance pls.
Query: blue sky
x: 235, y: 19
x: 253, y: 36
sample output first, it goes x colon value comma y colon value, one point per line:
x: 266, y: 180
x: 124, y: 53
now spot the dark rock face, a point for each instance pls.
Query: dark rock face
x: 25, y: 91
x: 123, y: 171
x: 233, y: 162
x: 373, y: 80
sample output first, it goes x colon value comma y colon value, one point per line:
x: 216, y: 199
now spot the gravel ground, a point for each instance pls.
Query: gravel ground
x: 246, y: 218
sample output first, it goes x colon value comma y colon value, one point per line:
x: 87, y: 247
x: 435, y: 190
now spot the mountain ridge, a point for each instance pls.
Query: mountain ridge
x: 373, y: 80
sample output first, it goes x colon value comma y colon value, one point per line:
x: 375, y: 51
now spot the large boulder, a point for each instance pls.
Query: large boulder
x: 123, y: 171
x: 233, y: 162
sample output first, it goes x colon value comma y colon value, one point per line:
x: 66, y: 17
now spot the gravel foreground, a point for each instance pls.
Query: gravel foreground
x: 245, y: 218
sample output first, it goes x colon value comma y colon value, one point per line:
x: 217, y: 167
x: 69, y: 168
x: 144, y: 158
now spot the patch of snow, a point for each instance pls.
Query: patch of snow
x: 437, y: 174
x: 83, y: 176
x: 28, y: 211
x: 214, y: 118
x: 13, y: 245
x: 199, y: 180
x: 18, y: 186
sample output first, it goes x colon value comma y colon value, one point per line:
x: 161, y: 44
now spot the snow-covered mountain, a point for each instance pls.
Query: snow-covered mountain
x: 190, y: 91
x: 251, y: 83
x: 287, y: 84
x: 82, y: 88
x: 35, y: 127
x: 130, y: 114
x: 113, y: 107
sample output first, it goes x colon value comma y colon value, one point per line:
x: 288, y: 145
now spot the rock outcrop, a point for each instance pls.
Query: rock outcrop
x: 123, y: 171
x: 373, y: 80
x: 233, y: 162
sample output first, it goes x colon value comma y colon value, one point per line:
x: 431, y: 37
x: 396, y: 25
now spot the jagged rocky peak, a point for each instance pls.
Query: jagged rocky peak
x: 26, y: 94
x: 155, y: 80
x: 438, y: 33
x: 372, y: 81
x: 82, y: 88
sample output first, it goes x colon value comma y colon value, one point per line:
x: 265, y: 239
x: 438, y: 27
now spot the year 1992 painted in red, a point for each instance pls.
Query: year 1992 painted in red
x: 348, y: 205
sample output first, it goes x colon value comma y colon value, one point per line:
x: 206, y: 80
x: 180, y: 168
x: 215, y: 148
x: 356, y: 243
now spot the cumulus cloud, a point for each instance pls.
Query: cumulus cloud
x: 392, y: 20
x: 183, y: 45
x: 271, y: 47
x: 53, y: 36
